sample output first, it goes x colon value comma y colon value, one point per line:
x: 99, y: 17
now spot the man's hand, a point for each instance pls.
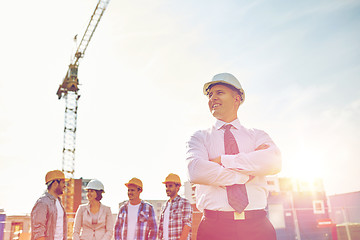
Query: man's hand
x: 216, y: 160
x: 262, y: 147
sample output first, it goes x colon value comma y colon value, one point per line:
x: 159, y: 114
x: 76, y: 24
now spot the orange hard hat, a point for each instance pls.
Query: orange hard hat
x: 54, y: 175
x: 134, y: 181
x: 172, y: 178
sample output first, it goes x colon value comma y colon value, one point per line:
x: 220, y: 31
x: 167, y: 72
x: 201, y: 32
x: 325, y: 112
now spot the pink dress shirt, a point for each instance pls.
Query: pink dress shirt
x: 211, y: 178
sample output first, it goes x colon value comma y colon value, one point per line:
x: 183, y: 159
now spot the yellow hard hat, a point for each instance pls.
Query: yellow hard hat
x: 134, y: 181
x: 54, y: 175
x: 172, y: 178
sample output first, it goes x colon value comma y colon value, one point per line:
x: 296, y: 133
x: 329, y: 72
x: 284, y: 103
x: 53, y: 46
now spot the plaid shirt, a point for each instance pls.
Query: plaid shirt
x: 146, y: 228
x: 180, y: 215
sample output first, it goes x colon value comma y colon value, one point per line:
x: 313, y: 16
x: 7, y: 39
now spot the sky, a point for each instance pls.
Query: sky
x: 141, y: 88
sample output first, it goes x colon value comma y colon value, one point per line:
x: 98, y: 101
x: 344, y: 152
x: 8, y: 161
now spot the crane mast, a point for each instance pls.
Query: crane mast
x: 69, y: 90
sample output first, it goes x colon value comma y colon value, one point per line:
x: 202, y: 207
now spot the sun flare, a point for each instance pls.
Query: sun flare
x: 305, y: 165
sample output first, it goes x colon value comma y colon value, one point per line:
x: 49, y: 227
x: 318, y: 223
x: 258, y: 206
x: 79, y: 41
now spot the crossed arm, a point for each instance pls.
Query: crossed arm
x: 218, y: 159
x: 227, y: 170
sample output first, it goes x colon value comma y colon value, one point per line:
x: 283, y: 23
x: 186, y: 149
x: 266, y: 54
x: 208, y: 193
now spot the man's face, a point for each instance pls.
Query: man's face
x: 59, y: 190
x: 171, y: 189
x: 223, y: 103
x: 133, y: 192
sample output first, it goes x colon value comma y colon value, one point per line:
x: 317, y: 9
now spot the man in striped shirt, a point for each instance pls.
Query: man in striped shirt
x: 176, y: 214
x: 136, y: 218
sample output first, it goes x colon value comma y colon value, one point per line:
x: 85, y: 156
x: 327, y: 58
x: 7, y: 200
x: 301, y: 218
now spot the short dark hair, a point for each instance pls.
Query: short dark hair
x: 51, y: 183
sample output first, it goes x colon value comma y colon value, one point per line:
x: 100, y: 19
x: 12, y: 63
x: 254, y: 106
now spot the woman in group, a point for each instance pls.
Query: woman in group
x: 93, y: 221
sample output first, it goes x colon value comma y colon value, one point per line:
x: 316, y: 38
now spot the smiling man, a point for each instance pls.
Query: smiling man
x: 136, y: 218
x: 48, y: 217
x: 176, y: 214
x: 229, y: 163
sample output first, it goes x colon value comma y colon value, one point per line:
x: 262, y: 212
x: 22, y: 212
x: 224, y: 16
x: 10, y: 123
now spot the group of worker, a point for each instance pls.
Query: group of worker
x: 93, y: 221
x: 227, y: 163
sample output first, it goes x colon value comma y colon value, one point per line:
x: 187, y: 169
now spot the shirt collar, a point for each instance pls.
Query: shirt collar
x: 141, y: 202
x: 177, y: 198
x: 88, y: 206
x: 219, y: 124
x: 50, y: 196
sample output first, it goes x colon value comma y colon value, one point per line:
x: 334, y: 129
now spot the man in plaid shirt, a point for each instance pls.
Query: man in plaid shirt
x: 176, y: 214
x: 136, y: 218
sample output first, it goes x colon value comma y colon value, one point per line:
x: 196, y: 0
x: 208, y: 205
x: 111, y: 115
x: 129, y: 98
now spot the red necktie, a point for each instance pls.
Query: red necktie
x: 237, y: 195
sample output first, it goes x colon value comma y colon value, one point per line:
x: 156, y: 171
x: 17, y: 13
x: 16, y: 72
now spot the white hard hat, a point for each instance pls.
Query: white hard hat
x: 95, y: 185
x: 226, y: 78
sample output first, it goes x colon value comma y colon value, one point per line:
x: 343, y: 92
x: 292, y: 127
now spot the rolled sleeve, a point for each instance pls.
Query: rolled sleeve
x: 187, y: 219
x: 39, y: 220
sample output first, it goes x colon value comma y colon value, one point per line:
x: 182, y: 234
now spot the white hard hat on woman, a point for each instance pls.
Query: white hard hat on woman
x: 95, y: 185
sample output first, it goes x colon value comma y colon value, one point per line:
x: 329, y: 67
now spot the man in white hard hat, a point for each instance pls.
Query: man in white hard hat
x: 176, y: 213
x: 229, y: 162
x: 48, y: 216
x: 136, y: 218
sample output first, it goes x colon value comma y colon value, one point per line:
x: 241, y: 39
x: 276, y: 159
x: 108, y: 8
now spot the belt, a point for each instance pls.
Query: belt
x: 251, y: 214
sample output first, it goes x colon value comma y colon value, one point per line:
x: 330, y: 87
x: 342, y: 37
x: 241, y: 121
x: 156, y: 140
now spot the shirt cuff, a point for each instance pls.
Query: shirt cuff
x: 228, y: 161
x: 241, y: 178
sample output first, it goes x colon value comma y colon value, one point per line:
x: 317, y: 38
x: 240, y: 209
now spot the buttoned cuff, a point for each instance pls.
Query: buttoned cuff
x: 241, y: 178
x: 226, y: 160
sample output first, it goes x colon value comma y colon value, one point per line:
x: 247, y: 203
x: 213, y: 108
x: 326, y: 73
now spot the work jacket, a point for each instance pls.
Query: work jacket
x: 102, y: 230
x: 43, y: 218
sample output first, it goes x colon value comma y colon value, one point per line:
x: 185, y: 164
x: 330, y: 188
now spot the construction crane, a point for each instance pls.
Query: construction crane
x: 69, y: 89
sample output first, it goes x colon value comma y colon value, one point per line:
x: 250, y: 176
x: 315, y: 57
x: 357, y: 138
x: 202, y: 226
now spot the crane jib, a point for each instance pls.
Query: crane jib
x: 68, y: 90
